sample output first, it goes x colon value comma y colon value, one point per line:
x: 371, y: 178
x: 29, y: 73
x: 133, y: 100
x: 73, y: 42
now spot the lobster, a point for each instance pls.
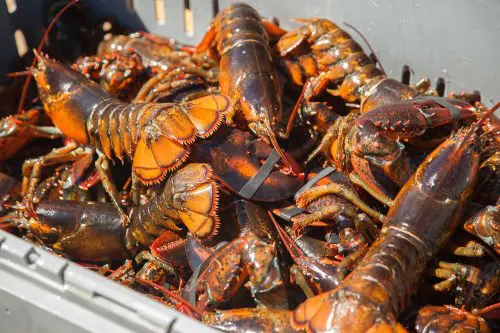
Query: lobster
x: 356, y: 143
x: 155, y: 52
x: 16, y: 131
x: 486, y: 226
x: 234, y: 159
x: 332, y: 56
x: 380, y: 286
x: 224, y: 272
x: 247, y: 73
x: 120, y: 76
x: 449, y: 319
x: 158, y: 55
x: 253, y: 253
x: 92, y: 231
x: 83, y: 112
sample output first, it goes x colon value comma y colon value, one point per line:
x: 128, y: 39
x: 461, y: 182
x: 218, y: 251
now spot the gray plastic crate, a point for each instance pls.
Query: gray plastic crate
x: 457, y: 40
x: 40, y: 292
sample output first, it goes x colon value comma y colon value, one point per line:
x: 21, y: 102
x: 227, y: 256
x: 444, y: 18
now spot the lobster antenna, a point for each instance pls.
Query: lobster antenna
x: 39, y: 49
x: 171, y: 294
x: 295, y: 111
x: 16, y: 74
x: 367, y: 43
x: 490, y: 311
x: 292, y: 248
x: 477, y: 125
x: 466, y: 140
x: 277, y: 147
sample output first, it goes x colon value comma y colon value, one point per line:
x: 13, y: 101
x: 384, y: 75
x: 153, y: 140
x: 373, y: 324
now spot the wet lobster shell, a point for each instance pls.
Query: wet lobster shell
x: 235, y: 157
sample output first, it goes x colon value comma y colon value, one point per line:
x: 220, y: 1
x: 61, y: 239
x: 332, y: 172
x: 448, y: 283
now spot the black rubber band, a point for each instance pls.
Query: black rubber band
x: 455, y: 112
x: 288, y: 212
x: 256, y: 181
x: 322, y: 174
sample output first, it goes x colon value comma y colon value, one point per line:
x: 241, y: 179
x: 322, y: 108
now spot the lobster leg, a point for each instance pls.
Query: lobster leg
x: 32, y: 168
x: 471, y: 249
x: 350, y: 261
x: 306, y: 197
x: 102, y: 167
x: 147, y: 88
x: 301, y: 281
x: 309, y: 273
x: 369, y: 143
x: 313, y: 87
x: 303, y: 220
x: 48, y: 132
x: 148, y: 271
x: 136, y: 189
x: 162, y: 83
x: 324, y: 146
x: 363, y: 177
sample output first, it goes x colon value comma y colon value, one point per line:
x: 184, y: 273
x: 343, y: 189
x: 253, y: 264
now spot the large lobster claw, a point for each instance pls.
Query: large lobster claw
x: 236, y: 161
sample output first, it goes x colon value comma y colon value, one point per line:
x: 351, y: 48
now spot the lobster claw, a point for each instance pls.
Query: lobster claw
x: 290, y: 41
x: 362, y: 176
x: 170, y: 247
x: 234, y: 157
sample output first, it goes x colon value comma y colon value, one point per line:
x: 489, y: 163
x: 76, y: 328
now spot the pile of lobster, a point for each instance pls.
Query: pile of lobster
x: 264, y: 180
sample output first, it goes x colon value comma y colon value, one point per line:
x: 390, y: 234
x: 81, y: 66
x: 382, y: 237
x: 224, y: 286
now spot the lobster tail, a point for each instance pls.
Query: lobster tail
x: 162, y: 146
x: 190, y: 197
x: 194, y: 194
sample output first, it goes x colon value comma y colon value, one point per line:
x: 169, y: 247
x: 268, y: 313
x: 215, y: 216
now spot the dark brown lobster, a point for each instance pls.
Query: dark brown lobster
x: 89, y: 116
x: 121, y: 76
x: 247, y: 73
x: 155, y: 52
x: 424, y: 216
x: 435, y: 319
